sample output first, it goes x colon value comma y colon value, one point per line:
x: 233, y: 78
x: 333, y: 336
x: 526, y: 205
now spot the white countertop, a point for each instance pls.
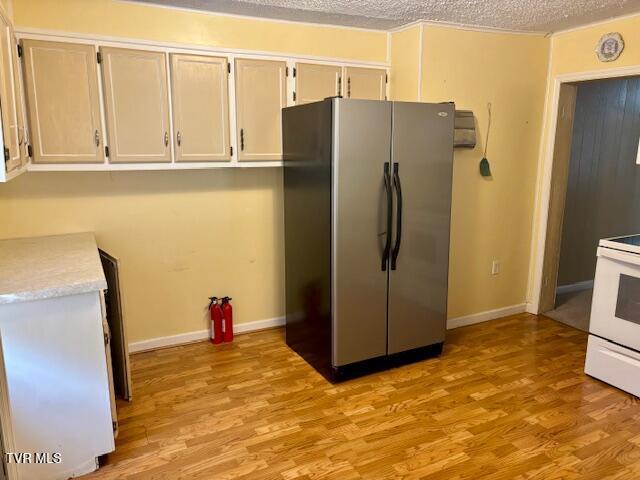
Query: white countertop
x: 37, y: 268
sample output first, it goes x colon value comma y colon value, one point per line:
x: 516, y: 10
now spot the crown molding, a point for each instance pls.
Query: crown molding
x: 595, y: 24
x: 479, y: 28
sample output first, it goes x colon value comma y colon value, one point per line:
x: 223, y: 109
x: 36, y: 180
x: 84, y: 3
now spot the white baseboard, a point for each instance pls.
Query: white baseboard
x: 199, y: 335
x: 485, y: 316
x: 259, y: 325
x: 574, y: 287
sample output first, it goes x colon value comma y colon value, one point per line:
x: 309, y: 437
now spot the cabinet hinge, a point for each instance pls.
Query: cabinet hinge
x: 19, y: 48
x: 286, y: 71
x: 231, y: 151
x: 99, y: 57
x: 7, y: 154
x: 295, y: 72
x: 294, y: 96
x: 30, y: 151
x: 386, y: 78
x: 228, y: 68
x: 106, y: 151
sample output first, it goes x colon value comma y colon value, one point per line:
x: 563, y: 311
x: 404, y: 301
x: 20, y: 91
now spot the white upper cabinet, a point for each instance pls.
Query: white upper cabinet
x: 316, y: 82
x: 365, y: 83
x: 137, y: 105
x: 261, y: 94
x: 63, y: 102
x: 12, y: 97
x: 12, y: 114
x: 200, y: 95
x: 130, y: 106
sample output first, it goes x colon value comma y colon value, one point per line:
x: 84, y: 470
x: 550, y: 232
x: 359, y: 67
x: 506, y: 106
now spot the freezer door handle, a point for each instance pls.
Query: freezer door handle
x: 387, y: 189
x: 398, y: 188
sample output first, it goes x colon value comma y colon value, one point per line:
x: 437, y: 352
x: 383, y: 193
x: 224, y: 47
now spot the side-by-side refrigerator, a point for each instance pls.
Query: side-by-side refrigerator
x: 367, y: 189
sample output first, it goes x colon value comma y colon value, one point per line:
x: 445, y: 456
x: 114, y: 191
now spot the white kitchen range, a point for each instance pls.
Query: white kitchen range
x: 613, y: 351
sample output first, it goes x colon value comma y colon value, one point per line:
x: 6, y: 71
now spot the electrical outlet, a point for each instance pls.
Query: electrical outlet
x: 495, y: 267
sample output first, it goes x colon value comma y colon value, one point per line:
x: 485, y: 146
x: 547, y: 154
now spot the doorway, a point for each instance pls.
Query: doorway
x: 595, y: 189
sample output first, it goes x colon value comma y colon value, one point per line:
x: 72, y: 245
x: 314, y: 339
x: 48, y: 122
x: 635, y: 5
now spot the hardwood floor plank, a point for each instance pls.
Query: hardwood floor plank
x: 508, y: 399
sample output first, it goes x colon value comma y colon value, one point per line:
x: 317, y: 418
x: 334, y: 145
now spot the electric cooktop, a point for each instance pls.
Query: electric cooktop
x: 629, y: 243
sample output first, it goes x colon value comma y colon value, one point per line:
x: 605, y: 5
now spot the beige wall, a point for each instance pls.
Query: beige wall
x: 183, y: 235
x: 573, y: 52
x: 127, y: 19
x: 405, y: 64
x: 150, y: 219
x: 491, y: 218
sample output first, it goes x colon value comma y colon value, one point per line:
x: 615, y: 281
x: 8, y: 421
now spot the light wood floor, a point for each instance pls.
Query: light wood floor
x: 507, y: 400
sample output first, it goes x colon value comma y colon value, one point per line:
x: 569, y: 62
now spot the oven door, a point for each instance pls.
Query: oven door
x: 615, y: 311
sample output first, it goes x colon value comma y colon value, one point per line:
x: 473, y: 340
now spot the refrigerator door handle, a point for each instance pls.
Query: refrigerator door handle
x: 387, y: 189
x: 398, y: 188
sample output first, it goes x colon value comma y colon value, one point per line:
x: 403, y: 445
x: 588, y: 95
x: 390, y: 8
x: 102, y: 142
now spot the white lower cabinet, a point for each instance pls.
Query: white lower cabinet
x: 55, y: 393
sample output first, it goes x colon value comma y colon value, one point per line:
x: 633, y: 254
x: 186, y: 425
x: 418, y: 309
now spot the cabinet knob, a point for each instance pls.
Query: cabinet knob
x: 179, y: 138
x: 166, y: 139
x: 348, y: 87
x: 242, y: 139
x: 96, y: 137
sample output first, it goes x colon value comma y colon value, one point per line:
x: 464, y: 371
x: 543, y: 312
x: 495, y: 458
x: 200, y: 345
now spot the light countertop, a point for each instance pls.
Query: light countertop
x: 37, y: 268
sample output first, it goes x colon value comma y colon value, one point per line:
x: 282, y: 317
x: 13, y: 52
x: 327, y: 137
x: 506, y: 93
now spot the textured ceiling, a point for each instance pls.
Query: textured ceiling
x: 529, y: 15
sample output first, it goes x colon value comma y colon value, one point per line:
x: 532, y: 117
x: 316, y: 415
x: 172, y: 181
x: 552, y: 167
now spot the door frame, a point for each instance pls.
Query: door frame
x: 539, y: 247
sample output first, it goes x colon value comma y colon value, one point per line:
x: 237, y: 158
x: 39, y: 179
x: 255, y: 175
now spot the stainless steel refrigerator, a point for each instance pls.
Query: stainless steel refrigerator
x: 367, y: 188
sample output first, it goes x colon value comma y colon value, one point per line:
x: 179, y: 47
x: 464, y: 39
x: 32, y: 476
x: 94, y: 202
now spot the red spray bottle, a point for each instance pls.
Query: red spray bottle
x: 215, y: 311
x: 227, y: 315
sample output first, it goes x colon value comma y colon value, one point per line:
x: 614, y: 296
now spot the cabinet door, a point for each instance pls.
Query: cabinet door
x: 199, y: 87
x: 366, y: 83
x: 260, y: 96
x: 63, y: 102
x: 316, y: 82
x: 137, y: 105
x: 11, y: 117
x: 20, y: 132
